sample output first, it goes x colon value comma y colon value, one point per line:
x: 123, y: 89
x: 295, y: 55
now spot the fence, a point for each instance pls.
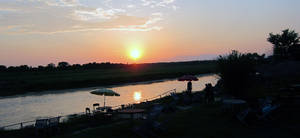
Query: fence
x: 31, y: 123
x: 167, y: 93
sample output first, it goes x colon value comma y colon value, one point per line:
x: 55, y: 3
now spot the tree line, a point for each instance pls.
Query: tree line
x: 62, y: 66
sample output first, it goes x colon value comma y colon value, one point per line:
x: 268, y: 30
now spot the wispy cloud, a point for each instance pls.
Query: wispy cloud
x: 8, y: 9
x: 62, y: 16
x: 158, y: 3
x: 98, y: 14
x: 63, y: 3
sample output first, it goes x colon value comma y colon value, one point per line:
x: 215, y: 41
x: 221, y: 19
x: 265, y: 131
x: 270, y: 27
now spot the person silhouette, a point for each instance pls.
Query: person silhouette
x: 189, y: 87
x: 209, y: 94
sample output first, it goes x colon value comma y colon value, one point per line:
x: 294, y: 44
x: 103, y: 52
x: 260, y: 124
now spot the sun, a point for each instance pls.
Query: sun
x: 135, y: 54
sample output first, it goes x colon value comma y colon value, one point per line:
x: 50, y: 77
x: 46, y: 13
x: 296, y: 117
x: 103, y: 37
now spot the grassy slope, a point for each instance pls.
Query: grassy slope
x: 20, y: 82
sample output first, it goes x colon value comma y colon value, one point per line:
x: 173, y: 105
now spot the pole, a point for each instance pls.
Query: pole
x: 104, y: 100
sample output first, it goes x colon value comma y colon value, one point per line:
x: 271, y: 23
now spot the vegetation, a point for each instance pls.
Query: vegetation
x: 242, y: 74
x: 237, y: 70
x: 285, y: 45
x: 18, y: 80
x: 61, y: 66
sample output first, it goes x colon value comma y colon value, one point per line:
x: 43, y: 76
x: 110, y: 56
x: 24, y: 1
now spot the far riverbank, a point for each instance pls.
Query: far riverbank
x: 15, y: 83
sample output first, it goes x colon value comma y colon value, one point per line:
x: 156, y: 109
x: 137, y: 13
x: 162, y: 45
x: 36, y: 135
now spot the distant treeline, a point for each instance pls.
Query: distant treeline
x: 62, y: 66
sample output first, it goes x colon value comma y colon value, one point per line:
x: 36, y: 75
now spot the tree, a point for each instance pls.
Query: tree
x: 284, y: 43
x: 295, y: 52
x: 2, y: 68
x: 63, y: 64
x: 236, y: 70
x: 51, y: 65
x: 23, y: 68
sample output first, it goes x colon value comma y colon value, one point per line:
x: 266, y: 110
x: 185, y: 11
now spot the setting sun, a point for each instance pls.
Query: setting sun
x: 135, y: 54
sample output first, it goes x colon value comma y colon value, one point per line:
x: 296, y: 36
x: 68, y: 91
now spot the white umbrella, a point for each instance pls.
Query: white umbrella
x: 105, y: 92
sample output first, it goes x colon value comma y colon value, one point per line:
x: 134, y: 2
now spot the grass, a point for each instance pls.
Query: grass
x: 12, y: 83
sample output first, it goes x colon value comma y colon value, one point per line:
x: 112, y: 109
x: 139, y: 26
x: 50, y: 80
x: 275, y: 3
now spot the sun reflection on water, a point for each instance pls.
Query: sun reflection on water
x: 137, y: 96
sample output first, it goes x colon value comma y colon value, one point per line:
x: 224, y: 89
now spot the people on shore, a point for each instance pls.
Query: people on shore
x: 189, y: 87
x: 209, y: 93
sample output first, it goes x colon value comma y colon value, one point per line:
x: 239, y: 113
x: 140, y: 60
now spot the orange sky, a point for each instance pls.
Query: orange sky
x: 36, y: 32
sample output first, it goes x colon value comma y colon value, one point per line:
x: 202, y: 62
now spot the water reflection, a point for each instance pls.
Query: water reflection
x: 137, y: 96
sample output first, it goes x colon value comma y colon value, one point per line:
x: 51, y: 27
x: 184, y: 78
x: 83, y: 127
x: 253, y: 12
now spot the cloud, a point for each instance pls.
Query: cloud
x: 62, y: 16
x: 121, y: 23
x: 10, y: 27
x: 158, y: 3
x: 174, y: 7
x: 130, y: 6
x: 98, y: 14
x: 63, y: 3
x: 7, y: 9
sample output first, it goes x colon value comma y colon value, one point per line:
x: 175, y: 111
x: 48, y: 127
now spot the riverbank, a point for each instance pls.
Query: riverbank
x: 13, y: 83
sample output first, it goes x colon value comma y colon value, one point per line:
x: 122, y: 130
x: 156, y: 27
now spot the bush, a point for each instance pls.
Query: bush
x: 237, y: 70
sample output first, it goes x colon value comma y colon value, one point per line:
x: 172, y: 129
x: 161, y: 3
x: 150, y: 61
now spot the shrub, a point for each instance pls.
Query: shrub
x: 237, y: 69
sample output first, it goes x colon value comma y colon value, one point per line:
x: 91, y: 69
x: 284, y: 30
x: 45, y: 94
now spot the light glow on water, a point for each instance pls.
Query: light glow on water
x: 137, y: 96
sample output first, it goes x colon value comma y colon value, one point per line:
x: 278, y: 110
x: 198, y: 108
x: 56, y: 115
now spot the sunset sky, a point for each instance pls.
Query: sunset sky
x: 38, y: 32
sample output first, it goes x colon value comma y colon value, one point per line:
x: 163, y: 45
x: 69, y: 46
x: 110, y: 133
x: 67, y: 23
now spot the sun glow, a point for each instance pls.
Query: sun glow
x: 137, y: 96
x: 135, y: 54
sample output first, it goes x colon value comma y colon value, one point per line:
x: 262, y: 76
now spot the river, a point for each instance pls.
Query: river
x: 20, y: 108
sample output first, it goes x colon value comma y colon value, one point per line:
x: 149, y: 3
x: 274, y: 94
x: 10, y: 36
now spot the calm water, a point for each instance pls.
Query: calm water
x: 54, y: 103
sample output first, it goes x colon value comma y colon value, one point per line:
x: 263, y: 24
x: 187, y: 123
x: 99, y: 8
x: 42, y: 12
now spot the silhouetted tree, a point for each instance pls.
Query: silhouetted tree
x: 2, y: 68
x: 284, y: 43
x: 76, y: 66
x: 63, y: 64
x: 23, y: 68
x: 295, y: 51
x: 51, y: 65
x: 41, y: 68
x: 236, y: 70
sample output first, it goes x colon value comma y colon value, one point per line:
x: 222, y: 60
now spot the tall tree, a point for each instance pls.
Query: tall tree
x: 283, y: 43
